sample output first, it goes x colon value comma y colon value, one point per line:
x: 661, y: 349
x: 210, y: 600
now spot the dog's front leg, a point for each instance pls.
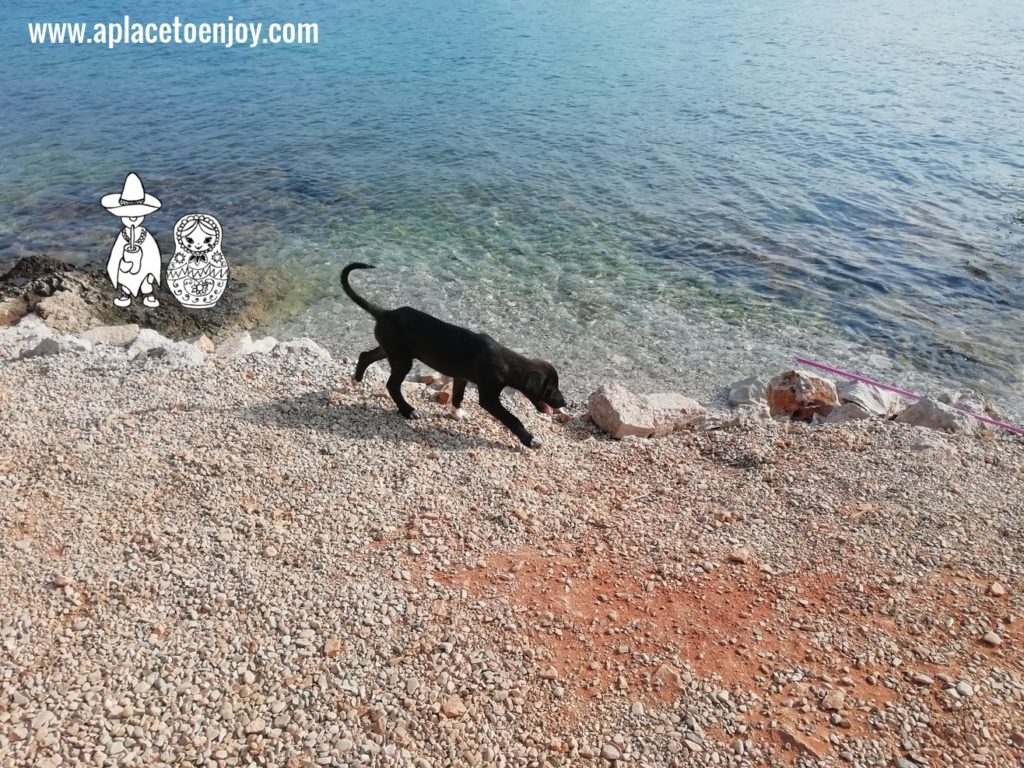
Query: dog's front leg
x: 458, y: 392
x: 490, y: 401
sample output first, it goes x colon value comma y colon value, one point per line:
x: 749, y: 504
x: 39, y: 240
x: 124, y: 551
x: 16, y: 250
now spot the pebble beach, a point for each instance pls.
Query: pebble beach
x: 252, y: 560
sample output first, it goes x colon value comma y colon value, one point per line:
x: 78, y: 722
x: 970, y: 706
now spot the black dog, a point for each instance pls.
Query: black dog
x: 405, y: 334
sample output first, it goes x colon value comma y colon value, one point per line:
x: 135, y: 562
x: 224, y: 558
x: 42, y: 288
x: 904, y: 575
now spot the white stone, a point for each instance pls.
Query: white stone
x: 112, y: 335
x: 302, y: 346
x: 845, y: 413
x: 150, y: 345
x: 750, y: 391
x: 622, y: 413
x: 243, y: 344
x: 27, y: 334
x: 932, y: 414
x: 65, y: 312
x: 874, y: 401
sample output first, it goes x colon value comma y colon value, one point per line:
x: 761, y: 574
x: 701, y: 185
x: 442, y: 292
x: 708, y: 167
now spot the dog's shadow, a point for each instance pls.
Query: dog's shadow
x: 367, y: 420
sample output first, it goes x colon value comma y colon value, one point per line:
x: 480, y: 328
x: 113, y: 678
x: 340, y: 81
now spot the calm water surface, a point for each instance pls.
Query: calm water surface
x: 669, y: 191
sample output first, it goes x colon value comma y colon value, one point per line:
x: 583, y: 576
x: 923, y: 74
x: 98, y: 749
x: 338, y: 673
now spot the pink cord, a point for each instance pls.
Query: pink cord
x: 904, y: 393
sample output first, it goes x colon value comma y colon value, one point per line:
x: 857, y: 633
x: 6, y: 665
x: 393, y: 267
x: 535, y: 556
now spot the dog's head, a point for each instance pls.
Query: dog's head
x: 542, y: 387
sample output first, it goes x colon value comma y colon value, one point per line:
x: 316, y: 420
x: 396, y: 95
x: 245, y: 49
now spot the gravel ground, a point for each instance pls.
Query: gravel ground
x: 257, y: 562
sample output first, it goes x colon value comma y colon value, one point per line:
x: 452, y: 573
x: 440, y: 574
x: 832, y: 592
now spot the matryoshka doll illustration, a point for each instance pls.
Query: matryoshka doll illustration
x: 197, y: 274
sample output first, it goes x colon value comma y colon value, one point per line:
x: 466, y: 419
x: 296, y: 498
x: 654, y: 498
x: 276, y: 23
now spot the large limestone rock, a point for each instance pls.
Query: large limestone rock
x: 932, y: 414
x: 622, y: 413
x: 56, y: 345
x: 801, y: 395
x: 66, y: 312
x: 872, y: 400
x: 26, y: 335
x: 752, y: 391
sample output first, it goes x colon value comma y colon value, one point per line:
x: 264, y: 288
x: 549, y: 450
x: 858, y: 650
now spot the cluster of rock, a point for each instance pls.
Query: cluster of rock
x: 621, y: 413
x: 807, y: 397
x: 71, y: 300
x: 792, y: 395
x: 31, y: 337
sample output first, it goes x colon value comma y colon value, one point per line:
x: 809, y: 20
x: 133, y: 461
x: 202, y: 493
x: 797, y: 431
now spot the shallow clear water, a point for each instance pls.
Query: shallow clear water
x: 668, y: 191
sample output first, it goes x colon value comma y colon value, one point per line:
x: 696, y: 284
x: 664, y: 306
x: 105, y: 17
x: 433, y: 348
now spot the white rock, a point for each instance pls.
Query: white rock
x: 845, y: 413
x: 65, y: 312
x: 834, y: 700
x: 150, y: 345
x: 27, y: 334
x: 875, y: 401
x: 932, y: 414
x: 929, y: 442
x: 74, y: 344
x: 112, y: 335
x: 243, y: 344
x: 740, y: 555
x: 622, y: 413
x: 302, y: 346
x: 674, y: 412
x: 750, y: 391
x: 32, y: 322
x: 264, y: 345
x: 56, y: 345
x: 145, y: 340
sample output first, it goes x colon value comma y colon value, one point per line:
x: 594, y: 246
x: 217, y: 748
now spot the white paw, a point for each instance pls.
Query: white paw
x: 413, y: 414
x: 535, y: 443
x: 459, y: 414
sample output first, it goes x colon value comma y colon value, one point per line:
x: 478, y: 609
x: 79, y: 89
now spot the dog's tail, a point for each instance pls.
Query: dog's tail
x: 369, y: 306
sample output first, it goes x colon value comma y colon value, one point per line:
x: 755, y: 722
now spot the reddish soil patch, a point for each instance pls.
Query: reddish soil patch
x: 608, y: 626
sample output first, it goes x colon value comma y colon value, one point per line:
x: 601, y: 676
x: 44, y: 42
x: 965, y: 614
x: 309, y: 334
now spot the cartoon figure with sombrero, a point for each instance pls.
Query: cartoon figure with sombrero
x: 134, y: 263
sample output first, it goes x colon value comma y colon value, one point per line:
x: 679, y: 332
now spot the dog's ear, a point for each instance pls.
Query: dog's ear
x: 534, y: 387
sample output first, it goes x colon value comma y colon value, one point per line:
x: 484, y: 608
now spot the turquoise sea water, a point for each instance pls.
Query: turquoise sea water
x: 633, y: 189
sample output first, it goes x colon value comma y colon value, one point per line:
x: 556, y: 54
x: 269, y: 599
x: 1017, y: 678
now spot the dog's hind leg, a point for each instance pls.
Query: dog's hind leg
x: 458, y: 392
x: 366, y: 359
x: 490, y: 401
x: 400, y: 367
